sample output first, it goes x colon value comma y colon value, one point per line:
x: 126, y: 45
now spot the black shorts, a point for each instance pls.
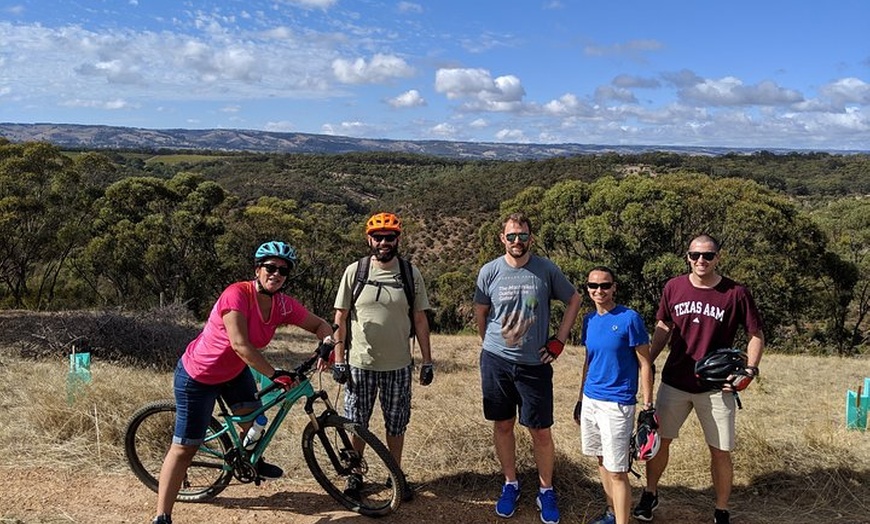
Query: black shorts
x: 508, y: 386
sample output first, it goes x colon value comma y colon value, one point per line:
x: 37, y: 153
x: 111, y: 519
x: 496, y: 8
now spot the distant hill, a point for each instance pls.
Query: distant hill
x: 94, y: 137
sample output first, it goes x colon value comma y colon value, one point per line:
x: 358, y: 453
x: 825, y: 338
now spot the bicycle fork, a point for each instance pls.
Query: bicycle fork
x: 347, y: 460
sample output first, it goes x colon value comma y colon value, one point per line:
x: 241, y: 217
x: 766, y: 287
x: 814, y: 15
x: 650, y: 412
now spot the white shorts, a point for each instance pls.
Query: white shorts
x: 605, y: 431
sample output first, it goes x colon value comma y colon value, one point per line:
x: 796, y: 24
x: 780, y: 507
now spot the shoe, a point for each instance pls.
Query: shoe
x: 268, y: 471
x: 353, y: 485
x: 163, y: 518
x: 721, y: 516
x: 507, y: 502
x: 606, y: 518
x: 644, y: 509
x: 410, y: 488
x: 547, y: 506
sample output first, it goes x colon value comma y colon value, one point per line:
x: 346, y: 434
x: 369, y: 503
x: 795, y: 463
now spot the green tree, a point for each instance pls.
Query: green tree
x: 845, y: 295
x: 155, y: 240
x: 44, y: 206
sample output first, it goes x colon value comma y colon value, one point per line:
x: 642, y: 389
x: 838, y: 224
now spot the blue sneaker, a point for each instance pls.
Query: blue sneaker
x: 547, y: 506
x: 507, y: 502
x: 606, y: 518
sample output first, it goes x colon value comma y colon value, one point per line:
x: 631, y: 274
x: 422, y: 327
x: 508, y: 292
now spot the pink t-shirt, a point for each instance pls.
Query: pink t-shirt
x: 704, y: 320
x: 210, y: 358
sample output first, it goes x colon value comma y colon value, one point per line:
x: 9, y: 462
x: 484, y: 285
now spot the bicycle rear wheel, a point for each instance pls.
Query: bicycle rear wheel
x: 332, y: 461
x: 148, y: 437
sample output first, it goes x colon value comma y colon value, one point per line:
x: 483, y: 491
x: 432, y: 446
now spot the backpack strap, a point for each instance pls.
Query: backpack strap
x: 359, y: 282
x: 407, y: 274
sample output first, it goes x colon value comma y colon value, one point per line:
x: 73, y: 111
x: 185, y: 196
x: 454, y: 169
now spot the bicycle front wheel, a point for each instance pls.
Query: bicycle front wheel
x: 370, y: 484
x: 148, y: 437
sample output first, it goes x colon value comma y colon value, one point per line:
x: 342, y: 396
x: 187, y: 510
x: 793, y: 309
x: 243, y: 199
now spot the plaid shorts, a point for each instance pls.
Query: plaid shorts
x: 395, y: 394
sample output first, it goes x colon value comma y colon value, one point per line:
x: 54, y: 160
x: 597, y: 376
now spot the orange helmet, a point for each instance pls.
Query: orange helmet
x: 384, y: 222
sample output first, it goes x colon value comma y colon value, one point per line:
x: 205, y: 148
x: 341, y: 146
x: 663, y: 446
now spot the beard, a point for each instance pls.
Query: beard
x: 518, y: 250
x: 387, y: 253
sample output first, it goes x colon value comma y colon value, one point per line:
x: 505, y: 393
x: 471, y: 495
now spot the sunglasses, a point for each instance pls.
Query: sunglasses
x: 708, y: 255
x: 384, y: 238
x: 602, y: 285
x: 512, y: 237
x: 271, y: 268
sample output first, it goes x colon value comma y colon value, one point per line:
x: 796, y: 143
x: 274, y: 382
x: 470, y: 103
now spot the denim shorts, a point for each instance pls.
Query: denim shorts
x: 508, y: 387
x: 194, y: 402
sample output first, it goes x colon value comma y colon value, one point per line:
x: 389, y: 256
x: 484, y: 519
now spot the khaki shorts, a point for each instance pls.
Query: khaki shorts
x: 715, y: 411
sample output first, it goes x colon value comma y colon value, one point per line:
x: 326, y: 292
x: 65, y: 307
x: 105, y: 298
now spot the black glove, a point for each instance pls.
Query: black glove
x: 648, y: 417
x: 325, y: 349
x: 578, y: 409
x: 427, y: 373
x: 341, y: 373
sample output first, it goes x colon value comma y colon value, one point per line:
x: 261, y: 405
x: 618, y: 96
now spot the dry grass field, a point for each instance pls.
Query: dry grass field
x: 63, y: 461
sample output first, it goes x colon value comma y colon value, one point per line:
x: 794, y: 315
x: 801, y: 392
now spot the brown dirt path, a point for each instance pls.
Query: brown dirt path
x: 44, y: 496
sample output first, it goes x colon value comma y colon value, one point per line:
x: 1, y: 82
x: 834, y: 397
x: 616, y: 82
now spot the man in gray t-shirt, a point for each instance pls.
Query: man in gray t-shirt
x: 512, y: 313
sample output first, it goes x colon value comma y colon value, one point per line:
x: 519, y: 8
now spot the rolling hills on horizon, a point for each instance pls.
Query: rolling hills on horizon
x: 97, y: 137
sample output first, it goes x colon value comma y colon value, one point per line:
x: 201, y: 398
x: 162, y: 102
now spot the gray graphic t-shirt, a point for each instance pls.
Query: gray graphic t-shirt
x: 519, y: 306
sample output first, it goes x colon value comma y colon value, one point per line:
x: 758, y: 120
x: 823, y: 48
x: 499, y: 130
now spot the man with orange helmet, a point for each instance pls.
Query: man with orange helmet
x: 380, y: 307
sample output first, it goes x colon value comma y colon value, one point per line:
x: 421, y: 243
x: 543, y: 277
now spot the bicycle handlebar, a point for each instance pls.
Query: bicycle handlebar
x: 323, y: 351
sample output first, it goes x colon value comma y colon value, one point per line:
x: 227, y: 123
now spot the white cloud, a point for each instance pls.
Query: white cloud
x: 411, y: 98
x: 847, y: 91
x: 282, y: 126
x: 316, y: 4
x: 482, y: 92
x: 632, y: 48
x: 99, y: 104
x: 628, y: 81
x: 444, y: 130
x: 604, y: 93
x: 409, y: 7
x: 355, y: 129
x: 381, y: 68
x: 510, y: 135
x: 478, y: 123
x: 730, y: 91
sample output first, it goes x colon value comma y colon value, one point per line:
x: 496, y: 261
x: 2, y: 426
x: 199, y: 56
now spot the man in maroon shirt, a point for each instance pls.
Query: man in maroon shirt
x: 698, y: 313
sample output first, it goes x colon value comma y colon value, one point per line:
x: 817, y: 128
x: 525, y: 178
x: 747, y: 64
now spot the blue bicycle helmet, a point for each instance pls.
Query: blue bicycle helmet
x: 276, y: 249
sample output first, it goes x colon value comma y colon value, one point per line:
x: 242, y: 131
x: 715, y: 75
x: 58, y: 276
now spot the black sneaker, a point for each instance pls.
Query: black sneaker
x: 268, y: 471
x: 644, y: 509
x: 410, y: 488
x: 163, y: 518
x: 721, y: 516
x: 353, y: 485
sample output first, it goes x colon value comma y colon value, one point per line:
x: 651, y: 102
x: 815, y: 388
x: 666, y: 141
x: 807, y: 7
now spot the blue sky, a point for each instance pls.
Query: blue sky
x: 758, y: 74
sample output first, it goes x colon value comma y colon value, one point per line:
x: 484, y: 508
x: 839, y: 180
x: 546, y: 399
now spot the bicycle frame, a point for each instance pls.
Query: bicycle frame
x: 286, y: 399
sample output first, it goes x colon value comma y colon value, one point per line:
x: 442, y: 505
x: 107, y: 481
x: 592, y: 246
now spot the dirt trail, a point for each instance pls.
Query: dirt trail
x: 45, y: 496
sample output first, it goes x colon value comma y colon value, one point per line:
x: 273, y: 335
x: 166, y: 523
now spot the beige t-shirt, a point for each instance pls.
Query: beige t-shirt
x: 379, y: 319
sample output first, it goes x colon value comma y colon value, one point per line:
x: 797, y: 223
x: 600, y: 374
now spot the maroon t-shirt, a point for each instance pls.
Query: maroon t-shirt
x: 704, y: 319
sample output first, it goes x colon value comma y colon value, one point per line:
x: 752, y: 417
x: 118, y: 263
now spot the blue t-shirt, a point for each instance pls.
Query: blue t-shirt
x: 612, y: 366
x: 518, y: 323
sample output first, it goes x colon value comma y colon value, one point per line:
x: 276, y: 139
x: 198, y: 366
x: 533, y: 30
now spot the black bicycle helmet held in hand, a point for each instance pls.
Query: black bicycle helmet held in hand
x: 714, y: 369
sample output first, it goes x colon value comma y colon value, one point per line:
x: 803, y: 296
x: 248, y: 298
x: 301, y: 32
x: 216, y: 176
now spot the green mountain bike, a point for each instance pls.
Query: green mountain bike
x: 326, y: 447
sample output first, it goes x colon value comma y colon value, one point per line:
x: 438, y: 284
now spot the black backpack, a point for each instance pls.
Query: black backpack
x: 362, y: 279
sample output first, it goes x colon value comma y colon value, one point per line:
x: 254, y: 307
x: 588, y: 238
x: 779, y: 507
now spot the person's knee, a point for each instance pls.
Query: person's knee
x: 541, y: 436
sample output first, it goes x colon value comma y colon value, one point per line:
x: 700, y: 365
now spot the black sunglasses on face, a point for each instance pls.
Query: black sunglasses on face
x: 271, y: 268
x: 708, y: 255
x: 512, y: 237
x: 602, y: 285
x: 385, y: 238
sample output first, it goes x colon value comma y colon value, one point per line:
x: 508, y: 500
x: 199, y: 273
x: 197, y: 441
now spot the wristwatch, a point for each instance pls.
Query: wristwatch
x: 754, y: 371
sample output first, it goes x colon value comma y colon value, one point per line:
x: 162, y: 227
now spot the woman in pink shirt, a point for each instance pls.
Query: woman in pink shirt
x: 218, y: 361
